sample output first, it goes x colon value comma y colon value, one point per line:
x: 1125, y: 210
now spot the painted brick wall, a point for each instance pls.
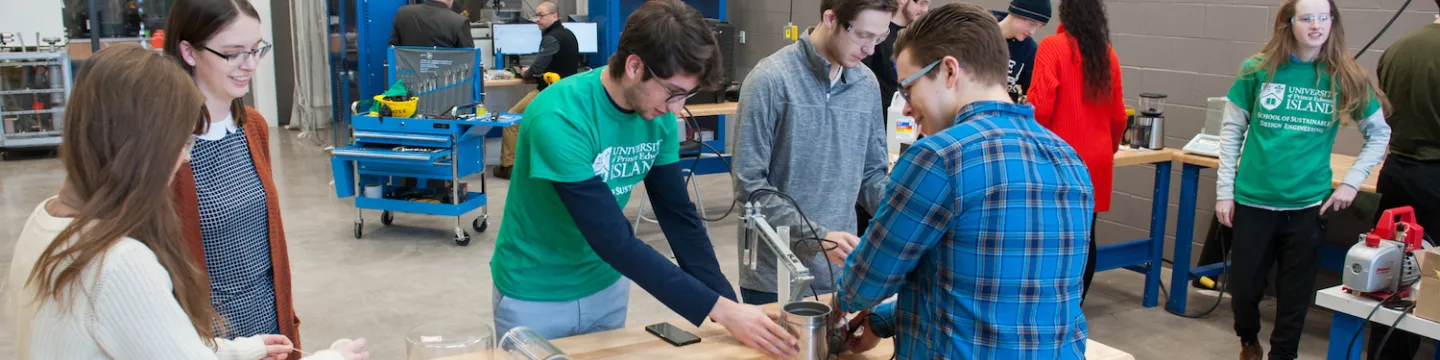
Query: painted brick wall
x: 1187, y: 49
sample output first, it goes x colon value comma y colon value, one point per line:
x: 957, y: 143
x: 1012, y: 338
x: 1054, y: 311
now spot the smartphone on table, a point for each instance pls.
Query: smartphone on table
x: 671, y: 334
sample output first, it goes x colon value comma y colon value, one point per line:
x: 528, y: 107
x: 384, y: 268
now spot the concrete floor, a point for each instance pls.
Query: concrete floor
x: 400, y: 276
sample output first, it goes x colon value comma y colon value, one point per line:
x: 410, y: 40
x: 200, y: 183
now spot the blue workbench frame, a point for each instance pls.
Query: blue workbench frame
x: 1145, y: 255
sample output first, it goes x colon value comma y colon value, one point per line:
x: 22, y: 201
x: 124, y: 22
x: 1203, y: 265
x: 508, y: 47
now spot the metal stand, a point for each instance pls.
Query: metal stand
x: 794, y: 277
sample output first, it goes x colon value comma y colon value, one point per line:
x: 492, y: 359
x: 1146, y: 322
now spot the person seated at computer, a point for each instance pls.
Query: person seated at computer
x: 560, y: 54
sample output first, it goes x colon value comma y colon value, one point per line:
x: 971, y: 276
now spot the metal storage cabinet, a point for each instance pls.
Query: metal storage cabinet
x: 33, y: 90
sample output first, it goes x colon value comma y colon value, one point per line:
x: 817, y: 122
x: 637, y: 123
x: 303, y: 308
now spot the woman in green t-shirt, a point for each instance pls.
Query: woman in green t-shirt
x: 1286, y: 107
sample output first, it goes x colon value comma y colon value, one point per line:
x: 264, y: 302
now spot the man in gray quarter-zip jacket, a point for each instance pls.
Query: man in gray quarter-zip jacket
x: 809, y: 128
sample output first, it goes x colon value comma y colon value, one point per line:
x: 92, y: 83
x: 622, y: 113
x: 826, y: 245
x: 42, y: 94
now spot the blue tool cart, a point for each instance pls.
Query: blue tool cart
x: 414, y: 164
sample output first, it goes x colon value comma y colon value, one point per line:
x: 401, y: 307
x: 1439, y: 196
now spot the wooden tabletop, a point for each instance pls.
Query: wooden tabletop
x: 1339, y: 165
x: 506, y: 82
x: 634, y: 342
x: 725, y: 108
x: 1141, y: 157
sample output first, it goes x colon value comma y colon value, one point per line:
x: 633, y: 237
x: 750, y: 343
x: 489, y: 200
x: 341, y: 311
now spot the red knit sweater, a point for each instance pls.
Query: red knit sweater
x: 1092, y: 128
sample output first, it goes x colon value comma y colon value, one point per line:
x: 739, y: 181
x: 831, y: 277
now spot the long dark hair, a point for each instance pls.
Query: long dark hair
x: 127, y: 121
x: 195, y: 22
x: 1085, y: 21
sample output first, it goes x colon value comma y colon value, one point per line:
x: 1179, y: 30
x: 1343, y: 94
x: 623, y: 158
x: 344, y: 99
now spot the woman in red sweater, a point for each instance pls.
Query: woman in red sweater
x: 1077, y: 94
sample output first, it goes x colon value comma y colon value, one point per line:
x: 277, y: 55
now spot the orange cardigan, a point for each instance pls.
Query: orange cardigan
x: 1092, y: 128
x: 187, y: 203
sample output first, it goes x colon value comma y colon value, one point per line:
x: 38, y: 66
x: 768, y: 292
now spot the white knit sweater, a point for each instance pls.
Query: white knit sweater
x: 124, y: 308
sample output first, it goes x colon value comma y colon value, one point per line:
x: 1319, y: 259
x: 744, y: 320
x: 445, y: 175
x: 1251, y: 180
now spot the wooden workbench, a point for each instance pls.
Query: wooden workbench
x: 634, y: 342
x: 725, y: 108
x: 1141, y: 157
x: 1339, y: 165
x: 506, y: 82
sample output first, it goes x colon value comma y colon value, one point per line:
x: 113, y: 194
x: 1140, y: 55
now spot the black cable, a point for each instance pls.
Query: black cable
x: 690, y: 119
x: 1385, y: 339
x: 818, y: 239
x: 1224, y: 282
x: 1383, y: 30
x: 1367, y: 320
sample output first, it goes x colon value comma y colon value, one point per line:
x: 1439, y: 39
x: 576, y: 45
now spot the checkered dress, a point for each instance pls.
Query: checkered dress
x: 235, y: 230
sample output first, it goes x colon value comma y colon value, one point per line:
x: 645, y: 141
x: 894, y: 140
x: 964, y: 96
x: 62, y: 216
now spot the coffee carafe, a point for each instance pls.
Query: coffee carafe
x: 1149, y: 129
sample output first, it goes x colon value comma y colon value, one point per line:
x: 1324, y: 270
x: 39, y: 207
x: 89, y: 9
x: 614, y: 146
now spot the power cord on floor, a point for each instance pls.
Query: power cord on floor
x: 1224, y: 281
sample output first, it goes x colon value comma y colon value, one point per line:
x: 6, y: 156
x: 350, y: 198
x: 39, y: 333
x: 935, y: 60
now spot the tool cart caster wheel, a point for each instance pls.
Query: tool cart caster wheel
x: 387, y: 218
x: 463, y: 240
x: 481, y: 223
x: 358, y: 227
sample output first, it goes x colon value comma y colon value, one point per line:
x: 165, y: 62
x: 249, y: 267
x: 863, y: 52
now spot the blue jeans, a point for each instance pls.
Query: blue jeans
x: 601, y: 311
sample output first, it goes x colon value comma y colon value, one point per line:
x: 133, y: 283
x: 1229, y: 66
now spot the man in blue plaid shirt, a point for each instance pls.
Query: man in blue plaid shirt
x: 983, y: 235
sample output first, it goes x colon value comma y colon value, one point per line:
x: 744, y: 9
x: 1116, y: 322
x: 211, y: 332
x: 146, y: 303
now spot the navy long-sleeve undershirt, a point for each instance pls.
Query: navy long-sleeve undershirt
x: 690, y: 289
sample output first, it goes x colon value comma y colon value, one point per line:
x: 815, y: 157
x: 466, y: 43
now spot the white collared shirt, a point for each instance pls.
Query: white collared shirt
x: 219, y: 129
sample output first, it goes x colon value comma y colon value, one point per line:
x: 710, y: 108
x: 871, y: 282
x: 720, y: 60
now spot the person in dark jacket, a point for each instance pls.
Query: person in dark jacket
x: 560, y: 54
x: 1019, y: 31
x: 431, y: 24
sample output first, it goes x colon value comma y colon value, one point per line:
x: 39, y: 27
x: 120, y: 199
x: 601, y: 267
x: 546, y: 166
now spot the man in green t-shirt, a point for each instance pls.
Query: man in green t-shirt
x: 566, y: 253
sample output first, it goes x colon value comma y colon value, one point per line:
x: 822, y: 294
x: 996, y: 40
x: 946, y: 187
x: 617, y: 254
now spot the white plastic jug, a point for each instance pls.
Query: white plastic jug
x: 898, y: 127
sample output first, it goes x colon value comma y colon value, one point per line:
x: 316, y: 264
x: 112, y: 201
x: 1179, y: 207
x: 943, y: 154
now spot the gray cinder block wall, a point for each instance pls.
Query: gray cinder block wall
x: 1187, y: 49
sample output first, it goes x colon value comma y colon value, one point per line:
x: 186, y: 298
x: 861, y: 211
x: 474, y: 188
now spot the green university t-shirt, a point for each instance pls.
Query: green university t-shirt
x: 1286, y: 160
x: 572, y: 132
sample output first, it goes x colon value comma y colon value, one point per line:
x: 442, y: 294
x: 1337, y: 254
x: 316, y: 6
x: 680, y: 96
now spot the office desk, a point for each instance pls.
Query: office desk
x: 1349, y: 321
x: 1185, y: 223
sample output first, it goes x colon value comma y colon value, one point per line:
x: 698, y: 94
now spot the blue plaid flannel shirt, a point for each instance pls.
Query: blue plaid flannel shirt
x: 983, y: 236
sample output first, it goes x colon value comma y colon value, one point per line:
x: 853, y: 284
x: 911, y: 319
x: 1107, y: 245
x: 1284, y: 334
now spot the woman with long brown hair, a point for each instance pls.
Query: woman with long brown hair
x: 1286, y: 107
x: 1078, y: 95
x: 225, y: 195
x: 100, y: 270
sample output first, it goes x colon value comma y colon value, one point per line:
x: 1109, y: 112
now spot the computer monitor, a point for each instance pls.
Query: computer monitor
x: 586, y: 34
x: 516, y: 39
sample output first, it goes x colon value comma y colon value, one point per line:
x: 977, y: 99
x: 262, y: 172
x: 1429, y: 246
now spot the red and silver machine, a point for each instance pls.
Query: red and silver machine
x: 1383, y: 263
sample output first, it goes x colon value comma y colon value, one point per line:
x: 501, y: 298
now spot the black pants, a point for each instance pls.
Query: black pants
x: 1406, y: 182
x: 862, y: 220
x: 1089, y: 261
x: 1265, y: 238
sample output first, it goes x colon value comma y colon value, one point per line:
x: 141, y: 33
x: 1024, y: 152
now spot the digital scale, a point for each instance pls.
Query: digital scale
x: 1207, y: 142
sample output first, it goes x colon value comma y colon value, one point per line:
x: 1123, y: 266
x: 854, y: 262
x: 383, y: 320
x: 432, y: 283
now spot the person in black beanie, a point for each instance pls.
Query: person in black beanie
x: 1028, y: 16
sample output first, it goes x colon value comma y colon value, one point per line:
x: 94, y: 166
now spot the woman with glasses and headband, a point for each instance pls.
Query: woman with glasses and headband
x: 225, y: 194
x: 1077, y: 94
x: 1286, y: 107
x: 101, y: 270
